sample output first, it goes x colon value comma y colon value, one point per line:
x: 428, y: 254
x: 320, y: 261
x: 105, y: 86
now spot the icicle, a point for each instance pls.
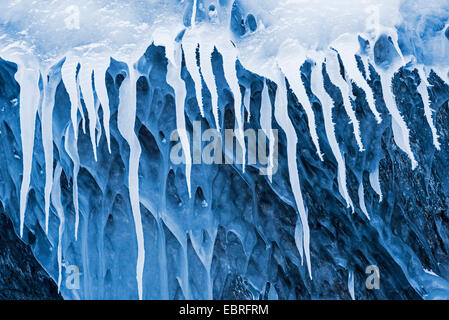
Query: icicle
x: 361, y: 193
x: 175, y: 81
x: 299, y: 237
x: 125, y: 120
x: 348, y: 46
x: 400, y: 130
x: 247, y: 103
x: 228, y: 52
x: 281, y: 115
x: 351, y: 284
x: 265, y: 124
x: 375, y: 183
x: 394, y: 38
x: 71, y: 147
x: 85, y: 76
x: 192, y: 22
x: 56, y: 199
x: 54, y: 78
x: 206, y: 50
x: 291, y: 59
x: 162, y: 37
x: 68, y: 72
x: 333, y: 70
x: 102, y: 94
x: 28, y: 80
x: 366, y: 64
x: 190, y: 46
x: 422, y: 89
x: 317, y: 84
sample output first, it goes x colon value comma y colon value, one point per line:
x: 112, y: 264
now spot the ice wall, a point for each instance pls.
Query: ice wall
x: 92, y: 93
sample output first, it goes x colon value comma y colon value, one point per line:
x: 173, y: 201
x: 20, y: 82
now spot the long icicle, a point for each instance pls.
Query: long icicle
x: 206, y: 50
x: 126, y: 119
x: 102, y: 94
x: 28, y: 79
x: 422, y: 89
x: 54, y: 78
x: 317, y: 83
x: 333, y: 70
x: 85, y: 77
x: 175, y: 81
x: 56, y: 199
x: 68, y: 72
x: 347, y: 47
x: 190, y: 46
x: 228, y: 53
x: 281, y: 115
x: 71, y: 147
x: 290, y: 66
x: 265, y: 124
x: 400, y: 131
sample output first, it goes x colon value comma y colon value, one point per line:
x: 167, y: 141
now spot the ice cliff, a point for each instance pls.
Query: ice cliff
x: 91, y: 93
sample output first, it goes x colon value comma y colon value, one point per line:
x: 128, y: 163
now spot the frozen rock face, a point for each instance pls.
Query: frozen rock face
x: 90, y: 181
x: 22, y: 277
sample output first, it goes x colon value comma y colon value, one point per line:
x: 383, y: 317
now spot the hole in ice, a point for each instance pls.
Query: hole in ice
x: 31, y: 238
x: 384, y: 51
x: 200, y: 201
x: 251, y: 22
x: 119, y: 79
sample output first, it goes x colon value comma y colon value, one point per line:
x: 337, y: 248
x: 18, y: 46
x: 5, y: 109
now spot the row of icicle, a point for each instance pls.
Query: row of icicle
x: 91, y: 79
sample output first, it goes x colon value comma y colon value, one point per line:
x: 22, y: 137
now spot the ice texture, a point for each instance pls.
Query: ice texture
x: 91, y: 95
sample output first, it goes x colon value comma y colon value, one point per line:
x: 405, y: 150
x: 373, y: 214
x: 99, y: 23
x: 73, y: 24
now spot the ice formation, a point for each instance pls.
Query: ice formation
x: 91, y: 93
